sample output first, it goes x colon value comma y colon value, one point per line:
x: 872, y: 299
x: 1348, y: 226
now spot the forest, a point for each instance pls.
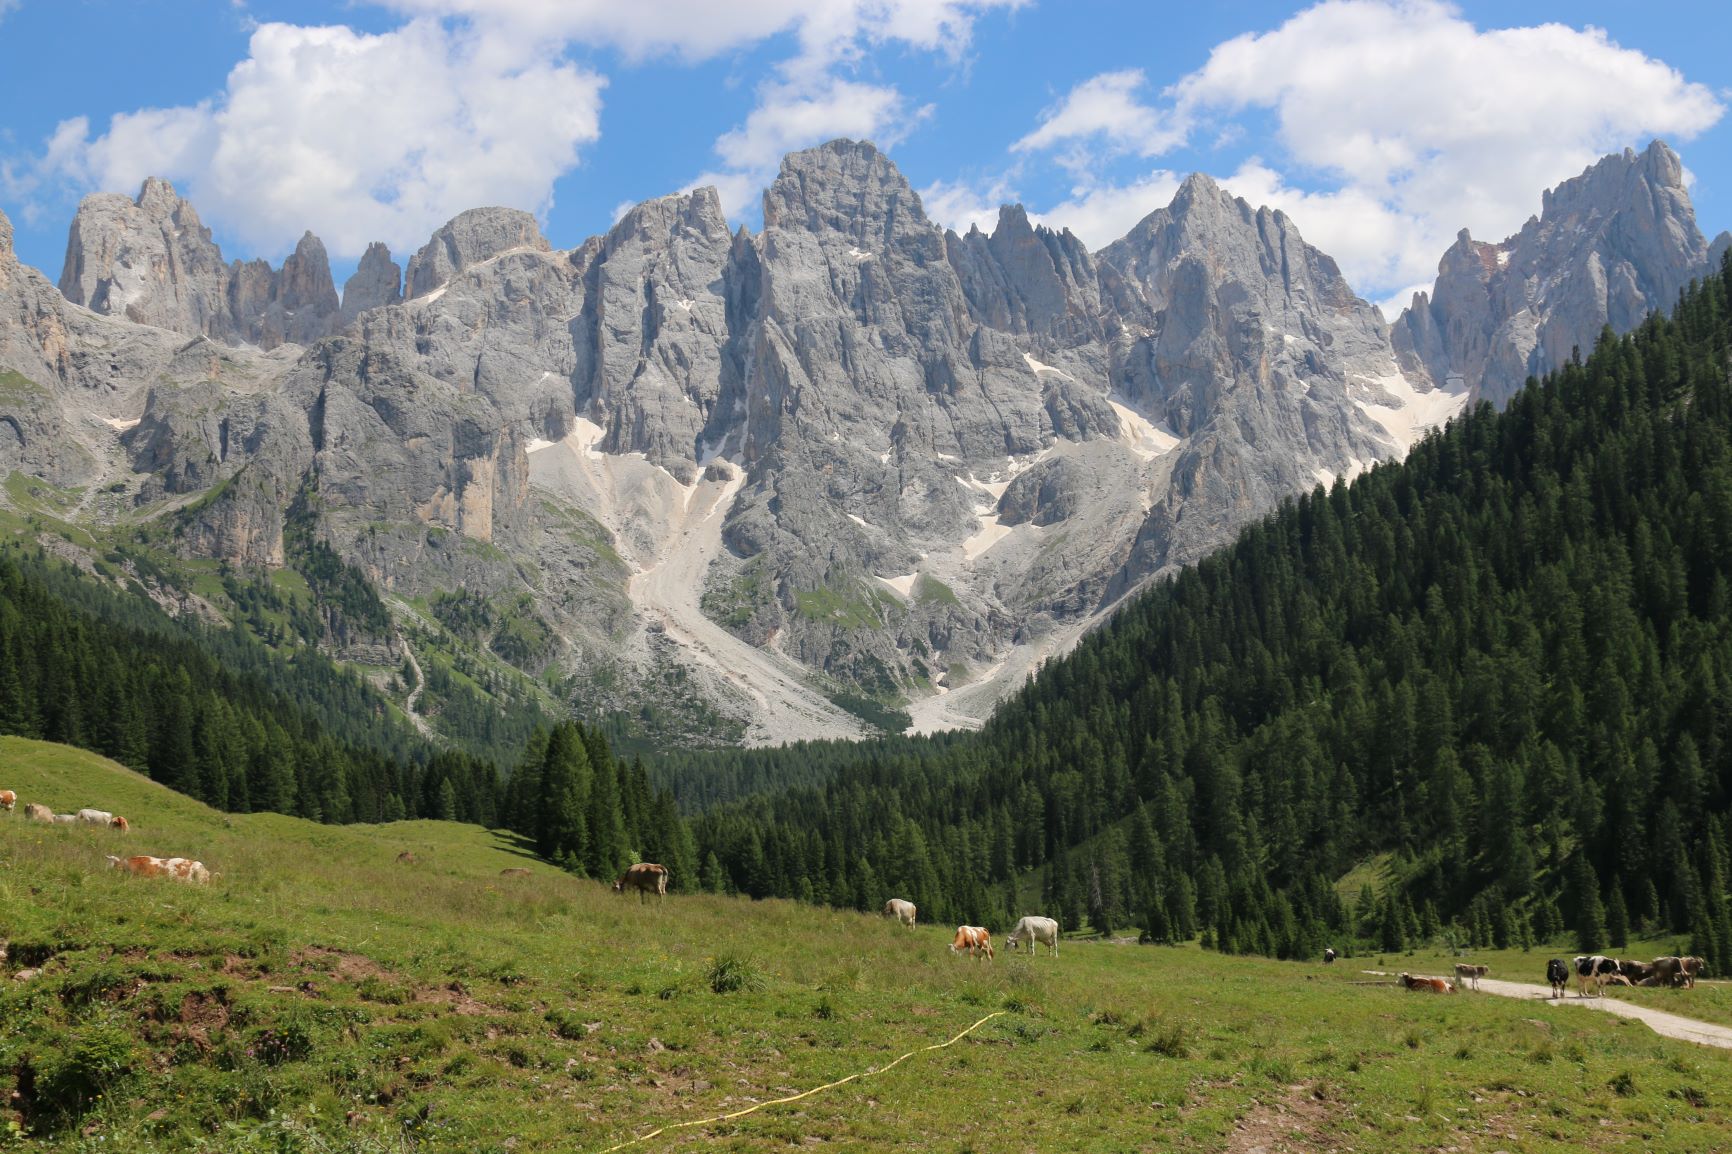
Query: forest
x: 1494, y: 678
x: 1490, y: 686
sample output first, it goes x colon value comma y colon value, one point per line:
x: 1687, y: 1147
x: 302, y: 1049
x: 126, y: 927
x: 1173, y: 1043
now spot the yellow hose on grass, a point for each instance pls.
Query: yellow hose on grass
x: 804, y: 1094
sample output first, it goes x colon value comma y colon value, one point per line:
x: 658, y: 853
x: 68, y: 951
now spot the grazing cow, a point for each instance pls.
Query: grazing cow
x: 1596, y: 968
x: 95, y: 817
x: 514, y: 872
x: 35, y: 812
x: 8, y: 799
x: 121, y: 824
x: 406, y: 858
x: 65, y: 819
x: 1328, y: 956
x: 1429, y: 985
x: 178, y: 868
x: 1558, y: 975
x: 975, y: 940
x: 646, y: 877
x: 1688, y: 968
x: 1034, y: 930
x: 1470, y: 973
x: 900, y: 909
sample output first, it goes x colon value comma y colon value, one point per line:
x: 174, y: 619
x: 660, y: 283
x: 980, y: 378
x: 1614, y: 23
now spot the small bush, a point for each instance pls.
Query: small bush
x: 1168, y: 1039
x: 731, y: 973
x: 1623, y: 1085
x: 289, y: 1042
x: 824, y: 1011
x: 67, y: 1081
x: 1690, y: 1094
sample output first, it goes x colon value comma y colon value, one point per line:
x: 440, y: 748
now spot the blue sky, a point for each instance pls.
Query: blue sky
x: 1380, y: 127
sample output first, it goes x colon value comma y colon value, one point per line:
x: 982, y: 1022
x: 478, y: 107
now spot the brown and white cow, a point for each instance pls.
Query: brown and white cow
x: 65, y: 819
x: 1465, y: 972
x: 1429, y: 985
x: 35, y: 812
x: 179, y: 868
x: 8, y: 799
x: 901, y: 909
x: 646, y: 877
x: 121, y: 824
x: 514, y: 872
x: 975, y: 940
x: 1689, y: 968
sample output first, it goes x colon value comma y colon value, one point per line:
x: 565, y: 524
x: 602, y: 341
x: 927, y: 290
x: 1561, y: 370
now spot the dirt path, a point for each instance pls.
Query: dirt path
x: 420, y: 722
x: 1668, y: 1025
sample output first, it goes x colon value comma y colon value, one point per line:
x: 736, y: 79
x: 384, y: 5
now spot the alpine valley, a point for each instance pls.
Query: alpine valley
x: 851, y: 473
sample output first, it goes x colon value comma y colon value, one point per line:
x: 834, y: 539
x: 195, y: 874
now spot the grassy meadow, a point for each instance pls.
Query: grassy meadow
x: 321, y: 996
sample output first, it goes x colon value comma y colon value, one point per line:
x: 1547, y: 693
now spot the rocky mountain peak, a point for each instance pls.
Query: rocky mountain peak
x: 152, y: 261
x: 846, y: 187
x: 470, y: 238
x: 8, y: 257
x: 1608, y: 247
x: 377, y: 281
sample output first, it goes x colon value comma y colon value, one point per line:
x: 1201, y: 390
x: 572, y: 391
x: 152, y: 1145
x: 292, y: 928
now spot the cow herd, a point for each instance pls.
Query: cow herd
x: 976, y: 941
x: 1672, y: 972
x: 177, y: 868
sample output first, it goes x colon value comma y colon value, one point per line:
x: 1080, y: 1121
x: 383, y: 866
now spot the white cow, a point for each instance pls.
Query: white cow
x: 900, y: 909
x: 1034, y: 930
x: 95, y: 817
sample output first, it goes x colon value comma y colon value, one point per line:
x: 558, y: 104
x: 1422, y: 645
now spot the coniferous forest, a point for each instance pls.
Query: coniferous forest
x: 1494, y: 681
x: 1502, y: 670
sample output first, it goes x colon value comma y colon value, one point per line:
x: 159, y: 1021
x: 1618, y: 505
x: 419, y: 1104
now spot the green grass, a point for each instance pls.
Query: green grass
x: 321, y: 996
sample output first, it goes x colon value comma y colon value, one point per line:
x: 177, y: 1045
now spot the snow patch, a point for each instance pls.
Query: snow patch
x: 1145, y: 439
x: 1413, y: 413
x: 536, y: 444
x: 1038, y: 368
x: 431, y: 297
x: 992, y: 531
x: 859, y: 256
x: 119, y: 425
x: 684, y: 303
x: 858, y: 520
x: 904, y: 585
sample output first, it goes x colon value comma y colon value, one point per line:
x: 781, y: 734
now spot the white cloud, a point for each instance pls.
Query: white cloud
x: 358, y: 137
x: 961, y: 206
x: 1421, y: 118
x: 1104, y: 108
x: 1102, y: 213
x: 1401, y: 120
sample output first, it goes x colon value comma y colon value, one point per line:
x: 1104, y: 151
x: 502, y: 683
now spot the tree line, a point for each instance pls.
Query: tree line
x: 1499, y: 672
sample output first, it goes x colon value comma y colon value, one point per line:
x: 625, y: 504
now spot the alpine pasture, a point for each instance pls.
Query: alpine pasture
x: 320, y: 995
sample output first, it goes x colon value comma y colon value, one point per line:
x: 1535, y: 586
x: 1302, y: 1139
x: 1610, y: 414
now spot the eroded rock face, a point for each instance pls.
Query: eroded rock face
x: 152, y: 262
x: 1608, y: 247
x: 378, y: 281
x: 469, y: 238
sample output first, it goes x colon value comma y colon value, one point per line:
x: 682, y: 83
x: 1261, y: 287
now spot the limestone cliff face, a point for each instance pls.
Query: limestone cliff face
x: 152, y: 261
x: 1608, y: 247
x: 852, y: 445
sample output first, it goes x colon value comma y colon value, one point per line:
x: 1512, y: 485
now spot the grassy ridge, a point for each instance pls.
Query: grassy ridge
x: 322, y: 996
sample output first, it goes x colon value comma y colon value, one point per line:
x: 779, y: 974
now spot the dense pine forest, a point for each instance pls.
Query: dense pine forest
x: 1491, y: 685
x: 1500, y: 670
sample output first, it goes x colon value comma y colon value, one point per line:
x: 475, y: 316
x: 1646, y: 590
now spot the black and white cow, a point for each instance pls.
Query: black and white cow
x: 1558, y: 975
x: 1596, y: 968
x: 1328, y: 956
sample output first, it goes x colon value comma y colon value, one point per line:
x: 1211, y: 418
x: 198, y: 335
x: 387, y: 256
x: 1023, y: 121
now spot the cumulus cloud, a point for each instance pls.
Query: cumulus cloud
x: 358, y: 137
x: 1101, y: 213
x: 961, y: 205
x: 1398, y: 123
x: 1104, y: 110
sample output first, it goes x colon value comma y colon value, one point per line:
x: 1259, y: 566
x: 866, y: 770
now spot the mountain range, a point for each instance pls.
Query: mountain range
x: 720, y: 485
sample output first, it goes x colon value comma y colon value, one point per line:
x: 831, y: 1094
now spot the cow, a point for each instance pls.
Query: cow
x: 8, y: 799
x: 1464, y: 972
x: 1329, y: 956
x: 405, y: 858
x: 1596, y: 968
x: 1558, y: 974
x: 178, y: 868
x: 65, y: 819
x: 900, y: 909
x: 1688, y: 968
x: 121, y: 824
x: 1034, y: 930
x: 35, y: 812
x: 95, y: 817
x: 1429, y: 985
x: 514, y: 872
x: 1636, y: 973
x: 975, y: 939
x: 646, y: 877
x: 1667, y: 971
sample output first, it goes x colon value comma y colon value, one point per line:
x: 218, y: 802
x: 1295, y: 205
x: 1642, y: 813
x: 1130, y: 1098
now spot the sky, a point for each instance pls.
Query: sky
x: 1381, y: 127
